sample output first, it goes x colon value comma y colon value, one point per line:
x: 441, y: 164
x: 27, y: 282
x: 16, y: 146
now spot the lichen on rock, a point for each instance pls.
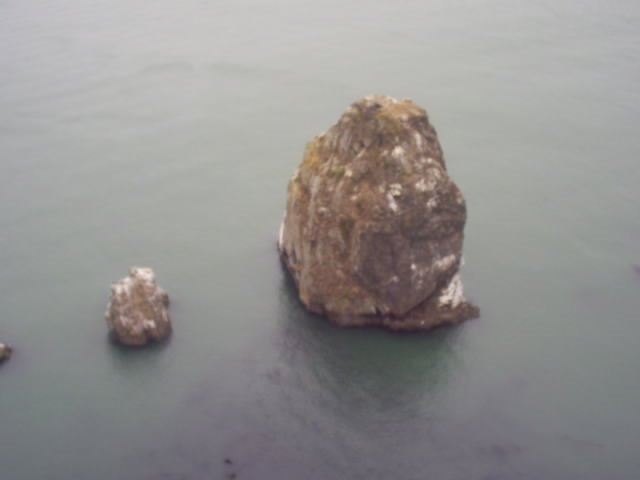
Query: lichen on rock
x: 137, y: 312
x: 374, y: 227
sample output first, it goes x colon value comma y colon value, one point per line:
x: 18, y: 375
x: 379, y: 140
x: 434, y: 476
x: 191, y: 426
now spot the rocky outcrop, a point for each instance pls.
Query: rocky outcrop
x: 373, y: 228
x: 5, y: 352
x: 138, y: 309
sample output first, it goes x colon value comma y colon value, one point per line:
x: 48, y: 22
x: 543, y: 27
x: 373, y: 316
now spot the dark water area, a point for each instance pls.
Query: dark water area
x: 164, y: 133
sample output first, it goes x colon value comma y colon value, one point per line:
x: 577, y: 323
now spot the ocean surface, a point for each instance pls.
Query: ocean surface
x: 163, y: 134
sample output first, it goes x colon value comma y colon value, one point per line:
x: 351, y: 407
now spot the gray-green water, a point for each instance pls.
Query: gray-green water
x: 163, y: 133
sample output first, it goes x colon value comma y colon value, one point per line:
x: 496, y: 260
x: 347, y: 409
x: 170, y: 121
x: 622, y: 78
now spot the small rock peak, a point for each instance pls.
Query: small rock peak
x: 145, y: 274
x: 399, y: 109
x: 5, y: 352
x: 377, y: 115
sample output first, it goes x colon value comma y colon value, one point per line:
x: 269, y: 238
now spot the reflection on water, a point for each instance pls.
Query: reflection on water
x: 368, y: 379
x: 136, y: 363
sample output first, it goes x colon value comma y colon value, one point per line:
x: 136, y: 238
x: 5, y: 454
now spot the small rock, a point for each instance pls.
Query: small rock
x: 138, y: 310
x: 5, y: 352
x: 636, y: 268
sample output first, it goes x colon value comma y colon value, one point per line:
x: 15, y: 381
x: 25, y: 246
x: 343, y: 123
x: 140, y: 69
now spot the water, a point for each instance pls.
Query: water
x: 163, y: 134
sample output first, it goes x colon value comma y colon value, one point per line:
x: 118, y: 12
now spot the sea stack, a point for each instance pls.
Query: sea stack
x: 5, y: 352
x: 374, y: 227
x: 138, y: 311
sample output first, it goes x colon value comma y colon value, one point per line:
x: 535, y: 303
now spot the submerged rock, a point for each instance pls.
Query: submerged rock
x: 373, y: 229
x: 5, y: 352
x: 138, y: 310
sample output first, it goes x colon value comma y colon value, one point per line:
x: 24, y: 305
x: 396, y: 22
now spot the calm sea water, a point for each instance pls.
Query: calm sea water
x: 163, y: 134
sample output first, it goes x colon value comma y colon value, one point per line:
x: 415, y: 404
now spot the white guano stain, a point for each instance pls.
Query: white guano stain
x: 397, y: 153
x: 149, y: 324
x: 281, y: 232
x: 393, y: 205
x: 418, y: 139
x: 453, y: 294
x: 395, y: 190
x: 445, y: 263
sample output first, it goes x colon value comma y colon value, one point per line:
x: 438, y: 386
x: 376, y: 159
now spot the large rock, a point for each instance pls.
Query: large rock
x: 373, y: 229
x: 5, y: 352
x: 138, y: 310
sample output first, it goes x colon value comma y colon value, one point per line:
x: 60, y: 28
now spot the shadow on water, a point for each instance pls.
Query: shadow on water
x: 368, y: 378
x: 135, y: 362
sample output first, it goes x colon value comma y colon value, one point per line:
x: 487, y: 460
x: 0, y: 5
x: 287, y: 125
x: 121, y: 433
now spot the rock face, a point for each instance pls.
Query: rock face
x: 373, y: 229
x: 138, y: 310
x: 5, y: 352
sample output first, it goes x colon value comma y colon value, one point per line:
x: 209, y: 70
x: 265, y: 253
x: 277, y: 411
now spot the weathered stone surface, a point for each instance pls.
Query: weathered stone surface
x: 373, y: 228
x: 5, y: 352
x: 137, y: 312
